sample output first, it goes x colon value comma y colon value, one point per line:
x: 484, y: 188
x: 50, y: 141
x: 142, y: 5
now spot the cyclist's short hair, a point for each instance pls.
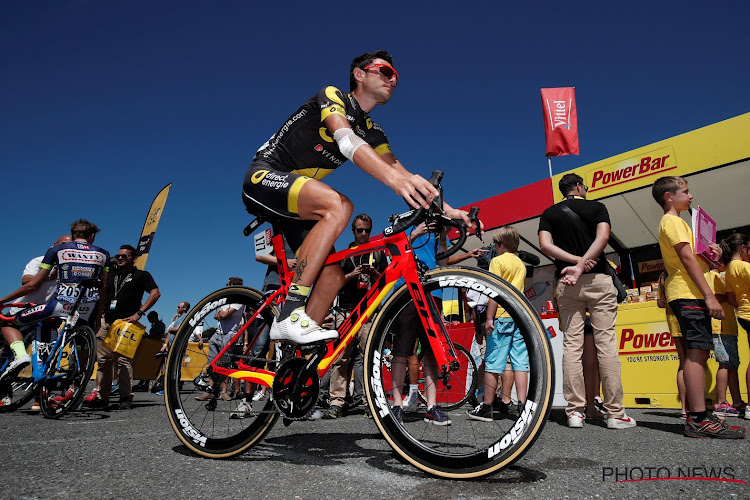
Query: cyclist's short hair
x: 363, y: 218
x: 129, y: 247
x: 362, y: 61
x: 234, y: 280
x: 664, y: 185
x: 508, y: 236
x: 569, y: 182
x: 83, y: 229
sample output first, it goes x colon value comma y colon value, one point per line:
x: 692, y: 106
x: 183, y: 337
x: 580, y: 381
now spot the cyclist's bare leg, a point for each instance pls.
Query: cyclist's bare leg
x: 330, y: 281
x: 11, y: 334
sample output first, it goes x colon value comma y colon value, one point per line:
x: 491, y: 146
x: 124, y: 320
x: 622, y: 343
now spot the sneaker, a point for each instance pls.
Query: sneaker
x: 225, y: 397
x: 726, y: 410
x: 66, y: 397
x: 623, y: 422
x: 575, y: 420
x: 206, y: 396
x: 499, y: 407
x: 315, y: 414
x: 36, y: 406
x: 99, y: 404
x: 300, y: 329
x: 437, y: 416
x: 398, y: 414
x: 91, y: 396
x: 412, y: 403
x: 713, y: 427
x: 115, y: 390
x: 140, y: 387
x: 15, y: 366
x: 368, y: 413
x: 244, y: 410
x: 260, y: 396
x: 6, y: 401
x: 125, y: 405
x: 160, y: 393
x: 482, y: 412
x: 333, y: 411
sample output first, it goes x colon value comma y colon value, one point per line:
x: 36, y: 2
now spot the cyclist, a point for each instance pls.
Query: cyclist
x: 76, y: 261
x: 284, y: 182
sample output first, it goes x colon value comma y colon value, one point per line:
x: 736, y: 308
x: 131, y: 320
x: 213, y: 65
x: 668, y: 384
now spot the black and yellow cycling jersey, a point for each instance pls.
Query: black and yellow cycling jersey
x: 304, y: 149
x: 304, y: 146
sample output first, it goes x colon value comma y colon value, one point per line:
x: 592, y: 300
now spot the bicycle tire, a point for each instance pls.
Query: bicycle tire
x: 22, y: 384
x: 461, y: 385
x: 467, y: 448
x: 213, y: 433
x: 76, y: 359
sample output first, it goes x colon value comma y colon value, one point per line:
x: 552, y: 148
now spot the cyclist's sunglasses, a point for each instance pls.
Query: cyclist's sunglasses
x: 384, y: 69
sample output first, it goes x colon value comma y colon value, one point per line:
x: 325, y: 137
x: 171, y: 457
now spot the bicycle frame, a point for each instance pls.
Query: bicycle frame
x: 402, y: 264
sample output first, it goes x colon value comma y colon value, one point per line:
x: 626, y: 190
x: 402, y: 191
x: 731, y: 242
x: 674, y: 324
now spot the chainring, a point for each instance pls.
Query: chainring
x: 295, y: 387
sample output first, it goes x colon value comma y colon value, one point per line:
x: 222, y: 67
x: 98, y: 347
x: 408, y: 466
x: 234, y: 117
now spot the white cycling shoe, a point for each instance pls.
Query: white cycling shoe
x: 300, y: 329
x: 16, y: 366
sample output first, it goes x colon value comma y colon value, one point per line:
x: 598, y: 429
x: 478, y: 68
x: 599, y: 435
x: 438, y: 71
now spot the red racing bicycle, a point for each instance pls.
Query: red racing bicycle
x: 207, y: 423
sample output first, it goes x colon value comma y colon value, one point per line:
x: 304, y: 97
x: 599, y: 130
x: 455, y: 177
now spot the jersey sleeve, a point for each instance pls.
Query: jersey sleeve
x: 148, y: 281
x: 602, y: 215
x: 544, y: 224
x: 332, y: 102
x: 375, y: 137
x: 50, y: 259
x: 676, y: 232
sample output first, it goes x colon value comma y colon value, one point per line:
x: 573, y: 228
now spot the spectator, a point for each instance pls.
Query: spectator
x: 693, y: 303
x: 503, y: 335
x: 174, y: 326
x: 229, y: 319
x: 158, y: 328
x: 725, y: 336
x: 584, y: 283
x: 360, y: 271
x: 407, y: 329
x: 679, y: 344
x: 736, y: 255
x: 126, y: 286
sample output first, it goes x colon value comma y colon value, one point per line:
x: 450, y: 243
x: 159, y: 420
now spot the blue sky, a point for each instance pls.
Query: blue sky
x: 104, y: 103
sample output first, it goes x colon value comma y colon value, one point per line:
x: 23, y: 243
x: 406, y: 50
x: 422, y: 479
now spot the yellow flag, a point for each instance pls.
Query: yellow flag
x: 149, y: 227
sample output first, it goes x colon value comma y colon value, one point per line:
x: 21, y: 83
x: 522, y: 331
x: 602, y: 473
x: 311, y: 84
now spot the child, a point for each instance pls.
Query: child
x: 674, y: 331
x: 502, y: 334
x: 737, y: 257
x: 725, y: 347
x: 693, y: 303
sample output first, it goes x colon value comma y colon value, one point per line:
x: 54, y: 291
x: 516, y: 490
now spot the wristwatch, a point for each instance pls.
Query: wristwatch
x: 140, y: 313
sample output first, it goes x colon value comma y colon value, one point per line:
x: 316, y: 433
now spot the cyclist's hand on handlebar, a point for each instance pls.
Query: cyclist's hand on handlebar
x: 417, y: 192
x: 456, y: 213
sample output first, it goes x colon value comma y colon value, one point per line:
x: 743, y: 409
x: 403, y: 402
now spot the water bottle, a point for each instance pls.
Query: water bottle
x: 536, y: 289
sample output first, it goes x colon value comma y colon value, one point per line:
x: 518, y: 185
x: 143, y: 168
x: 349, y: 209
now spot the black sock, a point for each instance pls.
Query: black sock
x: 699, y: 416
x: 296, y: 298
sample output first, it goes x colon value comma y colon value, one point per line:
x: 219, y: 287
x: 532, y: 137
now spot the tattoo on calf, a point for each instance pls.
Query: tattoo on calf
x: 301, y: 265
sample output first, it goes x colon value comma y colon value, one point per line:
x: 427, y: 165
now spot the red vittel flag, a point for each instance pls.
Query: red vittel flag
x: 560, y: 121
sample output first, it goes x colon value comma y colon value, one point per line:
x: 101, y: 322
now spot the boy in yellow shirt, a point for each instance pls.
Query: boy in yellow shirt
x: 502, y: 334
x: 693, y: 303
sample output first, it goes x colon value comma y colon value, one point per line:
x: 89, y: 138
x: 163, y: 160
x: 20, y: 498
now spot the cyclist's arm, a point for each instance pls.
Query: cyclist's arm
x: 387, y: 169
x: 30, y: 286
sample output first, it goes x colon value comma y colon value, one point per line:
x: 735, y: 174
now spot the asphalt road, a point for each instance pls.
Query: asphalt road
x: 135, y: 454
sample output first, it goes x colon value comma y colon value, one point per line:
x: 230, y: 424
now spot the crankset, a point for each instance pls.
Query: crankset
x: 296, y: 386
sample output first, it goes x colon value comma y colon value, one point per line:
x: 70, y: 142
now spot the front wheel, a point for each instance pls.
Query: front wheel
x: 466, y: 448
x: 68, y: 372
x: 200, y: 410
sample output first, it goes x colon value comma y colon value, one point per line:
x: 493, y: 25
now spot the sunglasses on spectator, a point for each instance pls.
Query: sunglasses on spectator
x: 364, y: 230
x: 384, y: 69
x: 122, y: 256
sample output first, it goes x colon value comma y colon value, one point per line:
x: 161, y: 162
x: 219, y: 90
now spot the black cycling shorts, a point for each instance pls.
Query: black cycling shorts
x: 273, y: 194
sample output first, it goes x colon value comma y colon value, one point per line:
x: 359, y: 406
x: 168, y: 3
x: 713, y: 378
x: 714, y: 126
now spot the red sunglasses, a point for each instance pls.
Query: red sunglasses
x: 384, y: 69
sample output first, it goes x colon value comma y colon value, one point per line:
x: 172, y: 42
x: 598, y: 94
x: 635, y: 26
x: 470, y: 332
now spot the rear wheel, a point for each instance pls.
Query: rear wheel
x: 465, y: 448
x: 68, y: 373
x: 205, y: 422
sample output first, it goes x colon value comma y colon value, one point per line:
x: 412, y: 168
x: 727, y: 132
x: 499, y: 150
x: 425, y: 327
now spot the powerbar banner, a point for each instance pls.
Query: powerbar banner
x: 560, y: 121
x: 149, y: 227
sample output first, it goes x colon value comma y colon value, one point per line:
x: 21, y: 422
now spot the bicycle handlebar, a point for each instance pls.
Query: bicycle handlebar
x: 435, y: 214
x: 22, y: 305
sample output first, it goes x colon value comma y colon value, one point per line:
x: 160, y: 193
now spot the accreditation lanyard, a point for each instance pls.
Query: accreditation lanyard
x: 113, y: 304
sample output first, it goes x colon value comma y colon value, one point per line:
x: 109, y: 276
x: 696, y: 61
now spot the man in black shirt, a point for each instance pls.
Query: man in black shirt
x: 360, y: 271
x: 126, y: 286
x: 582, y: 285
